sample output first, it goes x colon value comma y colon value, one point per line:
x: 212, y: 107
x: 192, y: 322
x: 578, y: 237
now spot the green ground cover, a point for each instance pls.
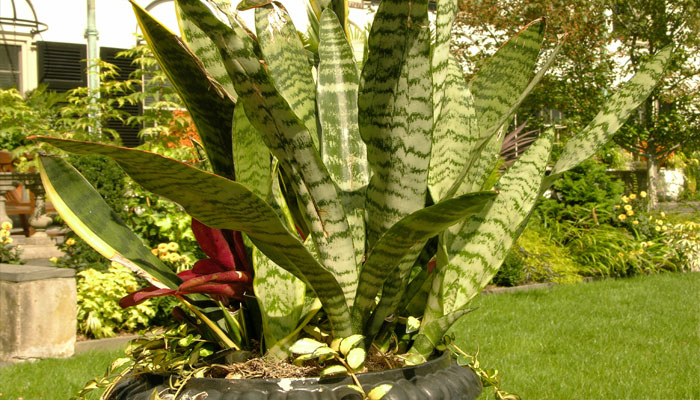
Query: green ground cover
x: 636, y: 338
x: 54, y: 379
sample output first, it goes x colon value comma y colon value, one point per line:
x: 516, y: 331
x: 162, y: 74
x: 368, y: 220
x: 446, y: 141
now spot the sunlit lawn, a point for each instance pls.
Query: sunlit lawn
x: 635, y: 338
x: 54, y: 379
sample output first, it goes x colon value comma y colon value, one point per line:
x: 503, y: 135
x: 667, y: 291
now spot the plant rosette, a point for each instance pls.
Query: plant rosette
x: 344, y: 199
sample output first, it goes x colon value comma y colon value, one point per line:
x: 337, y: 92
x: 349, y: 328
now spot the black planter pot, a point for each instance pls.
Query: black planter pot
x: 437, y: 379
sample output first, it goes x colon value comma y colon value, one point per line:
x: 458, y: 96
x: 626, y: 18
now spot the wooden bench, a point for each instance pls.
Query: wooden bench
x: 21, y: 201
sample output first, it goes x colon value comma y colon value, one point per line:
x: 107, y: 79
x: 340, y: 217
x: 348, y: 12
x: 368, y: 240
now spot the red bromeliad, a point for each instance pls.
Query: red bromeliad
x: 225, y: 274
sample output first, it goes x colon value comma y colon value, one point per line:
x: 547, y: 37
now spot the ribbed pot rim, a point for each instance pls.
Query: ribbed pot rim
x: 440, y: 378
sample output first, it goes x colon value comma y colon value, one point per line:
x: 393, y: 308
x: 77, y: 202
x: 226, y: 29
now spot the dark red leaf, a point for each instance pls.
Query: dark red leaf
x: 241, y: 255
x: 187, y: 275
x: 221, y: 277
x: 213, y: 243
x: 144, y: 294
x: 208, y: 266
x: 221, y: 289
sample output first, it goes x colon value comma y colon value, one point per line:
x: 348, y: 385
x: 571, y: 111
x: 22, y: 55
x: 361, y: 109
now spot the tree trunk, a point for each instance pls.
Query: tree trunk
x: 652, y: 182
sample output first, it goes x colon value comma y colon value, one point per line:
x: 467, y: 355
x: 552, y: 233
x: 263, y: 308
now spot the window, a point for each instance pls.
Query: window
x: 10, y: 66
x: 61, y: 66
x: 129, y: 133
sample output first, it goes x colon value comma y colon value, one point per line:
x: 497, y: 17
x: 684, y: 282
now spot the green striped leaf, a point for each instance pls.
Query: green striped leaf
x: 455, y: 135
x: 407, y: 236
x: 485, y: 150
x: 251, y: 156
x: 393, y: 291
x: 200, y: 44
x: 87, y: 214
x: 431, y: 335
x: 614, y: 113
x: 342, y: 149
x: 280, y: 296
x: 483, y: 165
x: 226, y: 205
x: 250, y: 4
x: 505, y: 76
x: 287, y: 63
x: 414, y: 300
x: 277, y: 200
x: 441, y: 57
x: 289, y: 141
x: 209, y: 105
x: 479, y: 249
x: 395, y: 113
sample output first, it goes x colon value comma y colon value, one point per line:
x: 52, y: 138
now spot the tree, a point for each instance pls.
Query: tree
x: 669, y: 120
x: 581, y: 73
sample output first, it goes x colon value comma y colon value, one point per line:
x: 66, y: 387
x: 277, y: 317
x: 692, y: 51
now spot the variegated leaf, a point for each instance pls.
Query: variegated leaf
x: 479, y: 249
x: 441, y: 57
x: 342, y: 149
x: 455, y: 135
x: 392, y: 292
x: 250, y: 154
x: 250, y: 4
x: 395, y: 113
x: 498, y: 89
x: 408, y: 236
x: 287, y: 63
x: 505, y: 76
x: 414, y: 300
x: 228, y: 205
x: 280, y: 296
x: 208, y: 103
x: 486, y: 150
x: 87, y: 214
x: 614, y: 113
x: 477, y: 174
x: 280, y: 350
x: 289, y: 141
x: 431, y: 335
x: 479, y: 171
x: 200, y: 44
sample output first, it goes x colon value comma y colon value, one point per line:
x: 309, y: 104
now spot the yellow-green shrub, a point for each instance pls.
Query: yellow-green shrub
x: 99, y: 313
x: 545, y: 261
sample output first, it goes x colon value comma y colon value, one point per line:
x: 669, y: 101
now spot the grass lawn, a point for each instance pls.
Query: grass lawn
x: 54, y: 379
x: 636, y: 338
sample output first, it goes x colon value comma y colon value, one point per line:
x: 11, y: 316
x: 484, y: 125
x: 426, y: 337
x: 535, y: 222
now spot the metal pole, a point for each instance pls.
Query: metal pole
x: 93, y: 56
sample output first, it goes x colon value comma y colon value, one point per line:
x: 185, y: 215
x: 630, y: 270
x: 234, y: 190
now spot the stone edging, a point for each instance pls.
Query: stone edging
x: 113, y: 343
x: 530, y: 286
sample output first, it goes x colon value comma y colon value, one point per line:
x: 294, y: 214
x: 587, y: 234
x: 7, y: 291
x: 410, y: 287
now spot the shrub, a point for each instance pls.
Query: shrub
x: 511, y: 272
x: 157, y: 220
x: 682, y: 240
x: 671, y: 245
x: 584, y: 195
x: 544, y: 260
x: 8, y: 254
x: 99, y: 313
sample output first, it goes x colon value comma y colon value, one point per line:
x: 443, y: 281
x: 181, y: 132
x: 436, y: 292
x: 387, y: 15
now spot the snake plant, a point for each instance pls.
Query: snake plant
x: 346, y: 196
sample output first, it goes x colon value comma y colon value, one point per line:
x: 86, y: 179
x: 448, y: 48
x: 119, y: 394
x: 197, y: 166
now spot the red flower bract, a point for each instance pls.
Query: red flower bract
x: 225, y: 274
